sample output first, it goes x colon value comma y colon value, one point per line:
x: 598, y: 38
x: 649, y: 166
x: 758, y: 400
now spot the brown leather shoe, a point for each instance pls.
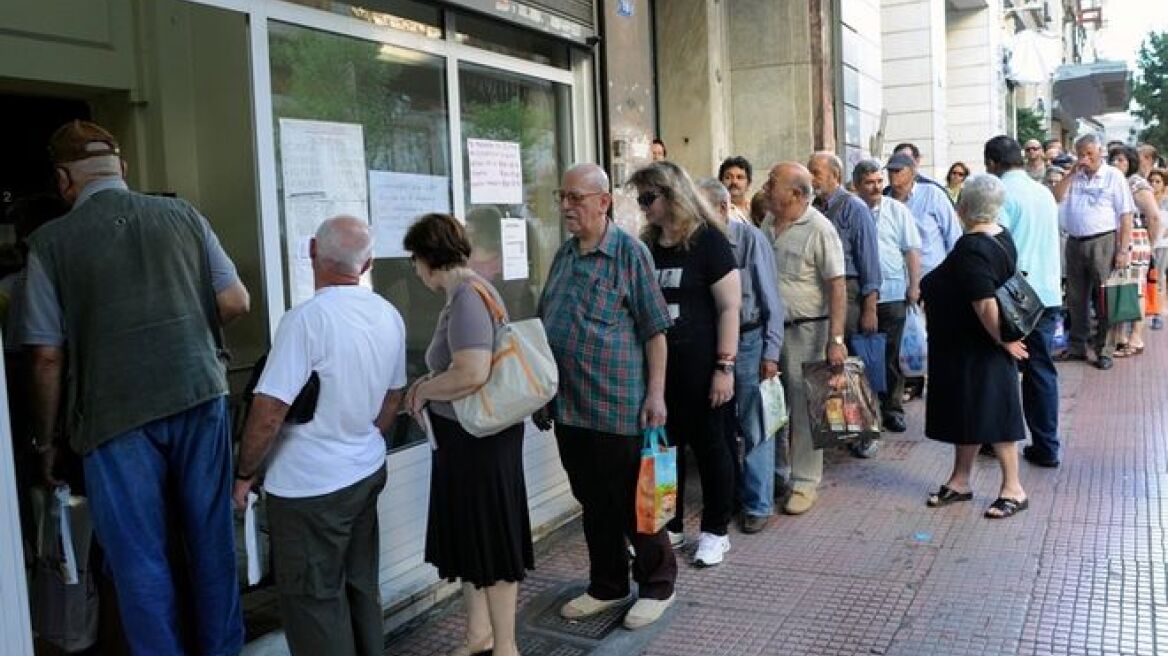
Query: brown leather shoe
x: 754, y: 523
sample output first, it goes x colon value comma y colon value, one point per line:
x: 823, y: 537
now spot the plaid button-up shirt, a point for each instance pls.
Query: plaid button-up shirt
x: 599, y: 309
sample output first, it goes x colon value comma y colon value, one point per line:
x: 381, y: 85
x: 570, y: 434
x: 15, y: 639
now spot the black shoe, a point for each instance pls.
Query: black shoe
x: 987, y: 450
x: 782, y: 491
x: 894, y: 424
x: 754, y: 523
x: 1067, y: 356
x: 1103, y: 363
x: 1033, y: 457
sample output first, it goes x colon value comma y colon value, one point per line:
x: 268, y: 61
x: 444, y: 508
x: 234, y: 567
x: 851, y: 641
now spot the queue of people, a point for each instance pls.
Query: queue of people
x: 676, y: 328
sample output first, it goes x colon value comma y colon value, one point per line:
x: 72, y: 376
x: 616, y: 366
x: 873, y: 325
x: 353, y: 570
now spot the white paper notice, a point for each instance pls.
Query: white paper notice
x: 513, y: 234
x: 396, y: 199
x: 323, y: 167
x: 496, y: 172
x: 251, y: 540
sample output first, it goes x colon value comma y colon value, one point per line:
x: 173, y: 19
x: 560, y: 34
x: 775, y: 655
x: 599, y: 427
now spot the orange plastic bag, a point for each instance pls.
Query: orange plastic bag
x: 1152, y: 293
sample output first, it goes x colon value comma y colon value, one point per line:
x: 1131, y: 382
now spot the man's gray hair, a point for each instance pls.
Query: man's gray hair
x: 594, y: 176
x: 981, y: 199
x: 1084, y: 140
x: 833, y: 162
x: 864, y: 169
x: 715, y: 191
x: 345, y: 243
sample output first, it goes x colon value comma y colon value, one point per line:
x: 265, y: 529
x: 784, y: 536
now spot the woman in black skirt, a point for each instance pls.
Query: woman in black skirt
x: 973, y: 397
x: 478, y: 530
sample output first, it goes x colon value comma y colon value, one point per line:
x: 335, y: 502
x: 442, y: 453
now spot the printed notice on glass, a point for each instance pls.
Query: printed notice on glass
x: 513, y: 234
x: 322, y: 165
x: 496, y: 172
x: 396, y: 200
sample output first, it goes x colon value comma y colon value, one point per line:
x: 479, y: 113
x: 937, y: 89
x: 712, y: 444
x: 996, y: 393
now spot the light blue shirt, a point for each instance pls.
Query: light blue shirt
x: 897, y: 234
x: 1032, y: 217
x: 937, y: 222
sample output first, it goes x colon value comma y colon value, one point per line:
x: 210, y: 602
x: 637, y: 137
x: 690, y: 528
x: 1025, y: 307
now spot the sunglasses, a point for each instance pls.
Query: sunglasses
x: 646, y: 199
x: 960, y: 174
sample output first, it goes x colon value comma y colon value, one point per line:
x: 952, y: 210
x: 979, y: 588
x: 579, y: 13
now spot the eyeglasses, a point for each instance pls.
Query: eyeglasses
x: 1033, y: 148
x: 573, y: 197
x: 646, y: 199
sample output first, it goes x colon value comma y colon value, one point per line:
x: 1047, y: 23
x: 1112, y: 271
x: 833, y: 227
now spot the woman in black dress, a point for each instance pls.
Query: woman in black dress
x: 973, y: 395
x: 478, y: 528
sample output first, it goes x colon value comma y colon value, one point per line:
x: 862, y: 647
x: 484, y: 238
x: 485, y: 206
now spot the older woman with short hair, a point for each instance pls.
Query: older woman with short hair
x: 973, y: 396
x: 478, y: 530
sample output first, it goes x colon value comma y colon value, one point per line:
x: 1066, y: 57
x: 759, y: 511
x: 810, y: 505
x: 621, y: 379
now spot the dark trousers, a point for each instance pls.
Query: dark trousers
x: 1088, y: 265
x: 1040, y: 387
x: 166, y: 479
x: 325, y: 561
x: 890, y: 321
x: 693, y: 423
x: 602, y: 471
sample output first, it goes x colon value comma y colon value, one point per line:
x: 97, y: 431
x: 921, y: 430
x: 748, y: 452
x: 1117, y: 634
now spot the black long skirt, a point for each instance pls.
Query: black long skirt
x: 479, y: 529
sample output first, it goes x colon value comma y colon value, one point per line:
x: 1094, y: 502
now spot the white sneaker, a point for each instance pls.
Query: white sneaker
x: 676, y: 540
x: 710, y: 549
x: 647, y: 611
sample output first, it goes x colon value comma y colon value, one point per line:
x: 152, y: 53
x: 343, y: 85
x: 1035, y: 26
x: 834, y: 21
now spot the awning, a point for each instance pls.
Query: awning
x: 1091, y: 89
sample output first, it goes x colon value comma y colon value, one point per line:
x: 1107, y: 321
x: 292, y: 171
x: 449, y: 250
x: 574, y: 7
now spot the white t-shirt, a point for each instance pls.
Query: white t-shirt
x: 355, y: 341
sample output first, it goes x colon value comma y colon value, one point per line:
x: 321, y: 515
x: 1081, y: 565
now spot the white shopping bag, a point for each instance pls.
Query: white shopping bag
x: 774, y: 406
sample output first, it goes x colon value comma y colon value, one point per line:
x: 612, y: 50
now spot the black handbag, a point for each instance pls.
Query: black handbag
x: 1019, y: 308
x: 303, y: 408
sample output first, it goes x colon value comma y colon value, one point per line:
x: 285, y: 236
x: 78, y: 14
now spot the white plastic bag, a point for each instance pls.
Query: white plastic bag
x: 914, y: 344
x: 774, y: 406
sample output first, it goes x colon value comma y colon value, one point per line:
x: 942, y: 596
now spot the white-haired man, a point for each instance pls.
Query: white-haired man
x: 324, y: 478
x: 760, y: 340
x: 1095, y: 212
x: 127, y: 292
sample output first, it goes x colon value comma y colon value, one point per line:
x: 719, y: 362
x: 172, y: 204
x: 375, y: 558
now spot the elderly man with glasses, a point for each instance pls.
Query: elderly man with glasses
x: 1095, y: 211
x: 606, y: 319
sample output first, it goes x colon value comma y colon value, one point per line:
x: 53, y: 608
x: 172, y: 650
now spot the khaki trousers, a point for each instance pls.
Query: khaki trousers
x: 804, y: 342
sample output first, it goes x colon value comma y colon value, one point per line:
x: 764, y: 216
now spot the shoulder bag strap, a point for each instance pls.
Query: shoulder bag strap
x: 493, y: 307
x: 1013, y: 264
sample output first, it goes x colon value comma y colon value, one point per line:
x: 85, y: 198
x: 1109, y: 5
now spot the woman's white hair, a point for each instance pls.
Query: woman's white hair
x: 345, y: 243
x: 982, y: 199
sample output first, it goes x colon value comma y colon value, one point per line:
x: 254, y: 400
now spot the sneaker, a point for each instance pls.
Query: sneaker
x: 676, y: 540
x: 586, y: 605
x: 865, y: 448
x: 1157, y: 322
x: 710, y: 549
x: 646, y: 611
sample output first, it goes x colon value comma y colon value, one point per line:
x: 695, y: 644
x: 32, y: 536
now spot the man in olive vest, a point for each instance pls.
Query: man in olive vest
x: 127, y: 293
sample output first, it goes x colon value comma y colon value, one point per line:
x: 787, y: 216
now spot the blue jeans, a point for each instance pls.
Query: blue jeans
x: 169, y: 477
x: 1040, y: 395
x: 756, y: 483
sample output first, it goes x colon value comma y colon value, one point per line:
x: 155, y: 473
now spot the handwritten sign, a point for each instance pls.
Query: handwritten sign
x: 396, y: 200
x: 496, y: 172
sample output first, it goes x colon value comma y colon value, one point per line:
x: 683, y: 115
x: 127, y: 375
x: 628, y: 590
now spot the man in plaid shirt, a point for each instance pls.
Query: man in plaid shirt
x: 605, y: 318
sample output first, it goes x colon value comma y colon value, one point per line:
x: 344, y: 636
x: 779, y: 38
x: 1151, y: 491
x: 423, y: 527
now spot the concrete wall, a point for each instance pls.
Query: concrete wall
x: 975, y: 90
x: 772, y: 114
x: 914, y: 68
x: 689, y: 79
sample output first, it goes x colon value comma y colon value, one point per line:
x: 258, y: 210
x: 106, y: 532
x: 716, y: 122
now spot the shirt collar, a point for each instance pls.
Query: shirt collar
x: 97, y: 186
x: 607, y: 243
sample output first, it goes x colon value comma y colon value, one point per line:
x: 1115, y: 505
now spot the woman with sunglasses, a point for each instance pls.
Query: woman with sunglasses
x: 1129, y: 337
x: 699, y: 279
x: 955, y: 179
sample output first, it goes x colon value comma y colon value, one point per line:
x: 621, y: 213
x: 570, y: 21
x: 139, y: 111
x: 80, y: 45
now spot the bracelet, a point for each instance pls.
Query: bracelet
x: 240, y: 476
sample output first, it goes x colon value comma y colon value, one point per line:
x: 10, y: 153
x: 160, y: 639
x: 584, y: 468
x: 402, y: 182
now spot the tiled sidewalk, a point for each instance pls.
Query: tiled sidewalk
x: 871, y: 570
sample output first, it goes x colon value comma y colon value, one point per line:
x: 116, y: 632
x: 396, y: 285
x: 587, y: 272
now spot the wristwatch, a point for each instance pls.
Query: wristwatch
x: 838, y: 340
x: 724, y: 367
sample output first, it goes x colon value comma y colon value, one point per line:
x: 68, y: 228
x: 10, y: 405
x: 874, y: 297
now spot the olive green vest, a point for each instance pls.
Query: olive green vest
x: 133, y: 279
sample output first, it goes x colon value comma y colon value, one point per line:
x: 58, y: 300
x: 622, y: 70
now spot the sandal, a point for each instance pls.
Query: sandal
x: 947, y: 495
x: 1006, y: 507
x: 1123, y: 351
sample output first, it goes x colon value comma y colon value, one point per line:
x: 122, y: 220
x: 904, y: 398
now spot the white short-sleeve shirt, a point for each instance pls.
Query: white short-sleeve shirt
x: 355, y: 341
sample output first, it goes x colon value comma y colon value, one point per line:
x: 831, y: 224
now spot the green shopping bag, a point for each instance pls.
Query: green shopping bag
x: 1119, y: 297
x: 656, y: 482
